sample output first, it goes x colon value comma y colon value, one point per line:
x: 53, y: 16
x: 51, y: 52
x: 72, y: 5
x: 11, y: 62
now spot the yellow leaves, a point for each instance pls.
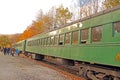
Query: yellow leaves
x: 36, y: 28
x: 62, y: 15
x: 111, y: 3
x: 46, y: 22
x: 4, y: 41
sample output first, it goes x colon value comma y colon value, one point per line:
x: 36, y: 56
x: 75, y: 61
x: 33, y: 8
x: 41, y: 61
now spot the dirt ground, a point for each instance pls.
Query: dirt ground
x: 17, y: 68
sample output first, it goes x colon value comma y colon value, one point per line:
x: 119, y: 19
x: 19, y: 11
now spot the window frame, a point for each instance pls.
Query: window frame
x: 63, y: 42
x: 114, y: 25
x: 68, y: 43
x: 77, y: 38
x: 100, y: 26
x: 84, y: 41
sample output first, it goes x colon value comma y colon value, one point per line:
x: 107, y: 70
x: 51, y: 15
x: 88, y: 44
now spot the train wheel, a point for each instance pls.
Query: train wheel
x: 82, y: 72
x: 90, y: 75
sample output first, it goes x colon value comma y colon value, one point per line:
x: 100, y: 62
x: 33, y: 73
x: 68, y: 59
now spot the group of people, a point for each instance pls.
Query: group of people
x: 10, y: 51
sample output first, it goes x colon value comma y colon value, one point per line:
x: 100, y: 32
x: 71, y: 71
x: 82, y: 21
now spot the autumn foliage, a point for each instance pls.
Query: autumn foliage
x: 111, y: 3
x: 44, y: 23
x: 35, y: 28
x: 56, y: 17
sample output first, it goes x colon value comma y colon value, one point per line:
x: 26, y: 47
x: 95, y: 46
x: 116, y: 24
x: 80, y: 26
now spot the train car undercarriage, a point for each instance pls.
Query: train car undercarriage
x: 90, y: 71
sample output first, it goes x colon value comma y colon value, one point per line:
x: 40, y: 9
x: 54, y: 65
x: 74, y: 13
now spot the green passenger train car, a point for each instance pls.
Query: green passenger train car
x: 93, y: 40
x: 20, y: 45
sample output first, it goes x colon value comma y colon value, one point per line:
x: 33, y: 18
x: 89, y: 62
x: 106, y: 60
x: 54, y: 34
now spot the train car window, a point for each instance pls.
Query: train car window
x: 75, y: 37
x: 117, y: 27
x: 48, y: 41
x: 61, y: 39
x: 18, y: 45
x: 29, y: 43
x: 67, y: 38
x: 45, y: 41
x: 84, y: 36
x: 96, y: 34
x: 32, y: 43
x: 41, y: 41
x: 56, y: 40
x: 52, y: 40
x: 37, y: 42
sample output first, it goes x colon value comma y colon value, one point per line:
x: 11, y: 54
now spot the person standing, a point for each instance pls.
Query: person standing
x: 12, y: 51
x: 4, y: 50
x: 17, y: 52
x: 8, y: 51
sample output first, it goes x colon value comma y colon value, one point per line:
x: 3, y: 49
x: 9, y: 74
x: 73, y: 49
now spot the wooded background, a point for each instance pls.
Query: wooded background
x: 58, y: 16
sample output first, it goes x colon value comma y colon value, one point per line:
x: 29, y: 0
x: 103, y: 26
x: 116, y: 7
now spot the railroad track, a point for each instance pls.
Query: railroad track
x: 66, y: 70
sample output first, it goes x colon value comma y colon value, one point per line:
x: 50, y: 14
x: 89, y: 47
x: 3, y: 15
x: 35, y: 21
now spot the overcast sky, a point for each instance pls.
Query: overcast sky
x: 16, y: 15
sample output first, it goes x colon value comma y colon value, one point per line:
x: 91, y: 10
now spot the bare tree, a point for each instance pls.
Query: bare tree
x: 51, y: 14
x: 39, y: 14
x: 62, y: 15
x: 89, y: 7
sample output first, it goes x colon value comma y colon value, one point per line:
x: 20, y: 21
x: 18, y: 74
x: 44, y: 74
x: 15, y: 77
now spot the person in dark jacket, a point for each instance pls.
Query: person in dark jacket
x: 4, y: 50
x: 8, y: 51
